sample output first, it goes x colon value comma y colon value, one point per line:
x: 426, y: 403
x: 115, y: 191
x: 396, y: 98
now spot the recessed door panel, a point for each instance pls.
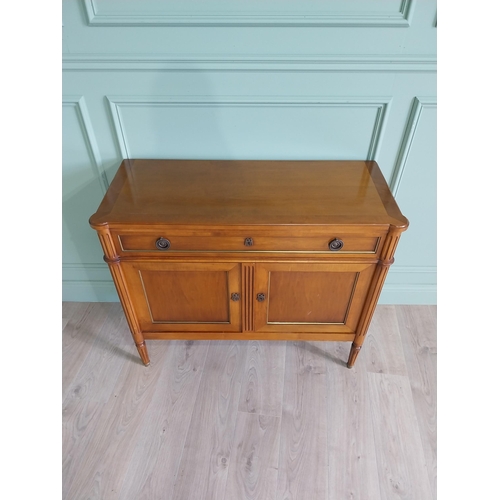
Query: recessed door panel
x: 300, y: 297
x: 185, y: 297
x: 310, y: 297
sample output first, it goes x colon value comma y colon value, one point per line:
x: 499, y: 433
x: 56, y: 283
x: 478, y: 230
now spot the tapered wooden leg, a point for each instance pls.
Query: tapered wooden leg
x: 116, y: 272
x: 143, y: 352
x: 353, y: 355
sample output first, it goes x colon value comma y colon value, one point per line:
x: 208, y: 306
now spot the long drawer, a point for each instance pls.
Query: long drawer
x: 296, y: 240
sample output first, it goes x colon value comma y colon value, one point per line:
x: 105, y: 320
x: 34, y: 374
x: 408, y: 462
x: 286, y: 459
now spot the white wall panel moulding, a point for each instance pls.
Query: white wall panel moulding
x: 391, y: 63
x: 399, y: 17
x: 89, y: 136
x: 381, y: 104
x: 418, y: 104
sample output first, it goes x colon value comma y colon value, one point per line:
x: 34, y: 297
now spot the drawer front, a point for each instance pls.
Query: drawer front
x: 173, y: 241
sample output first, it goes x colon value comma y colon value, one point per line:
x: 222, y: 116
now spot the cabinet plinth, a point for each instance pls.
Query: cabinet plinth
x: 266, y: 250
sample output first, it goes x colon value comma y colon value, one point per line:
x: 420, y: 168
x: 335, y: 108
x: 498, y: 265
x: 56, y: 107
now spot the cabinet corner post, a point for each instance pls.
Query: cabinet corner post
x: 385, y: 262
x: 113, y: 260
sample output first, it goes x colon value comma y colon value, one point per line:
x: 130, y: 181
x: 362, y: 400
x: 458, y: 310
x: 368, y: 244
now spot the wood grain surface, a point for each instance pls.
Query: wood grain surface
x: 242, y: 420
x: 352, y: 458
x: 418, y: 332
x: 303, y: 471
x: 383, y: 348
x: 401, y: 464
x: 244, y: 192
x: 209, y: 443
x: 262, y: 384
x: 166, y: 422
x: 253, y: 470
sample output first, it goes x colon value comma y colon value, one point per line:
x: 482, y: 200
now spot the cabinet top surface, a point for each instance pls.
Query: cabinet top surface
x: 248, y: 192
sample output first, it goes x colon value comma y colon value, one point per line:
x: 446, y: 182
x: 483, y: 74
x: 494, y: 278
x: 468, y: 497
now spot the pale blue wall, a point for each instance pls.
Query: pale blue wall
x: 250, y: 80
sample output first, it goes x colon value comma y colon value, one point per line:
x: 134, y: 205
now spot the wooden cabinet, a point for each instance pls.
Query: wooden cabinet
x: 248, y: 249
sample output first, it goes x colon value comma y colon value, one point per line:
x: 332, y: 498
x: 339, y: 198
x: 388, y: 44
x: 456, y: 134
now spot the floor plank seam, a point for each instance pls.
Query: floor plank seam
x: 365, y: 379
x: 281, y: 418
x: 328, y: 429
x: 418, y: 384
x: 190, y: 419
x: 66, y: 392
x: 232, y: 451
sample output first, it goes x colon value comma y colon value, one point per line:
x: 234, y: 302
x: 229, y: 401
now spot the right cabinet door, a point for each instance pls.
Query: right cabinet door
x: 310, y: 297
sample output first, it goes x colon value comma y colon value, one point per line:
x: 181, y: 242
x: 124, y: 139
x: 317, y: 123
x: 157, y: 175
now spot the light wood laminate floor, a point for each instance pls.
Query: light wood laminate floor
x: 233, y: 420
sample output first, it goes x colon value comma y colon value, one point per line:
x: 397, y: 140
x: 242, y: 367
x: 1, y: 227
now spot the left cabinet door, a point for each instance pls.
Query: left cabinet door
x: 185, y: 297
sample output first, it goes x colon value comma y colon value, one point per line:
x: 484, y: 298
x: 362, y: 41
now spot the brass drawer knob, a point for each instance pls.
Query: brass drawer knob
x: 248, y: 242
x: 261, y: 297
x: 335, y: 245
x: 162, y: 244
x: 235, y: 297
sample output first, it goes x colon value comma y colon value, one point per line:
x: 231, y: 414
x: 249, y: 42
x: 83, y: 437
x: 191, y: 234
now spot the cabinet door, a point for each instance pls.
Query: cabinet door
x: 310, y: 297
x: 185, y: 297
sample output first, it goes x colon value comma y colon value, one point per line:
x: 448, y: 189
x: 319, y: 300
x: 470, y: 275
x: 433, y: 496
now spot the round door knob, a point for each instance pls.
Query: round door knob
x: 261, y: 297
x: 162, y: 244
x: 248, y: 242
x: 235, y: 297
x: 335, y: 245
